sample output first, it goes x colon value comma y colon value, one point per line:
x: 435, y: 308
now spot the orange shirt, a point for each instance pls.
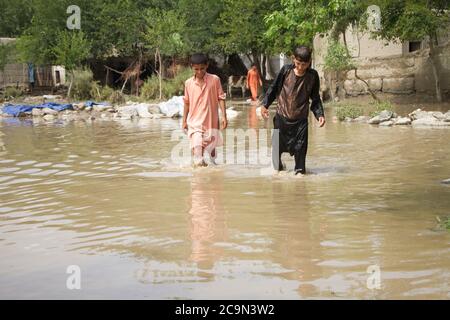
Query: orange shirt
x: 203, y: 103
x: 253, y: 78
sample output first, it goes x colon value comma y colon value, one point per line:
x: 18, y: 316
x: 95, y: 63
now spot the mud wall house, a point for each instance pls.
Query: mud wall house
x: 389, y: 67
x: 17, y: 74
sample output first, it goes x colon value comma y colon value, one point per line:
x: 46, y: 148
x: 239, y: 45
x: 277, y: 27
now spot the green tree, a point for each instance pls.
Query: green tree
x: 72, y: 50
x: 403, y: 20
x: 6, y: 52
x: 15, y: 17
x: 163, y: 36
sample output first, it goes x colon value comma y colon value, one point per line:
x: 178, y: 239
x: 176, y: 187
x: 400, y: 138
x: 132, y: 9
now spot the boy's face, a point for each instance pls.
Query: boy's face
x: 301, y: 66
x: 199, y: 70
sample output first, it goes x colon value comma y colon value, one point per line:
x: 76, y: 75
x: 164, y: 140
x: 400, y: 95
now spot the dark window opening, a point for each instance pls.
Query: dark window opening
x: 414, y: 46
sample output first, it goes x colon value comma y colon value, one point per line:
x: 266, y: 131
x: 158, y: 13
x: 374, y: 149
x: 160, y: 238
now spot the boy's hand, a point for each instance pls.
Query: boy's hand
x: 264, y: 112
x: 224, y: 123
x: 184, y: 125
x: 321, y: 121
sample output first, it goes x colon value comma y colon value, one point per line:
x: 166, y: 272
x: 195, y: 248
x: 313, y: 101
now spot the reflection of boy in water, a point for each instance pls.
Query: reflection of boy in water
x: 203, y: 94
x: 294, y: 86
x: 207, y: 222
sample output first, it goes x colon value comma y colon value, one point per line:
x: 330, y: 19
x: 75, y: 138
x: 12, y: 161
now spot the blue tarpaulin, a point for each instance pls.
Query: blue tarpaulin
x: 15, y: 110
x: 92, y: 103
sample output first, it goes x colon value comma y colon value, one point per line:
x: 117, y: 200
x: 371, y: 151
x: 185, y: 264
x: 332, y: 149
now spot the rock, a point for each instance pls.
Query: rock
x: 78, y: 106
x: 362, y: 119
x: 154, y: 109
x: 101, y: 108
x: 49, y: 111
x: 447, y: 116
x: 446, y: 181
x: 127, y: 112
x: 51, y: 97
x: 37, y: 112
x: 375, y: 84
x: 174, y: 107
x: 403, y: 121
x: 348, y: 119
x: 438, y: 115
x: 386, y: 123
x: 431, y: 121
x: 398, y: 85
x: 385, y: 115
x: 49, y: 117
x: 419, y: 114
x: 354, y: 87
x: 142, y: 110
x: 375, y: 120
x: 35, y: 99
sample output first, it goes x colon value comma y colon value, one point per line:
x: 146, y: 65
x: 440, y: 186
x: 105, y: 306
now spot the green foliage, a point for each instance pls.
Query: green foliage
x: 349, y: 111
x: 73, y: 48
x: 413, y: 19
x: 100, y: 93
x: 15, y: 17
x: 241, y: 26
x: 377, y: 108
x: 443, y: 222
x: 170, y: 88
x: 201, y: 18
x: 37, y: 42
x: 298, y: 21
x: 83, y: 84
x: 164, y: 31
x: 6, y: 53
x: 338, y: 58
x: 12, y: 92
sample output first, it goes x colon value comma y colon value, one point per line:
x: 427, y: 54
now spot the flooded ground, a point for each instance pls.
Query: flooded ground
x: 106, y: 197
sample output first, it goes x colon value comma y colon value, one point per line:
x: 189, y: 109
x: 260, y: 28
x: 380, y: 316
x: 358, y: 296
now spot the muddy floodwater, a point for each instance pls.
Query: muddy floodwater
x: 106, y: 199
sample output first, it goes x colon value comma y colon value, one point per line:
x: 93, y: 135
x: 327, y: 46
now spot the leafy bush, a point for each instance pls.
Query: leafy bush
x: 170, y: 87
x: 350, y: 111
x: 12, y: 92
x: 337, y: 58
x: 101, y: 93
x: 83, y: 84
x: 379, y: 107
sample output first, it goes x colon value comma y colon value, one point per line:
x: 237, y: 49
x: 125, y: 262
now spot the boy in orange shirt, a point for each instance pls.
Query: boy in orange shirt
x: 203, y: 94
x: 253, y: 79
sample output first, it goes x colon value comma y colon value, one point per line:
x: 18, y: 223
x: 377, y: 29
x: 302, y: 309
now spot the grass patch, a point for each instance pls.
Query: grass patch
x: 170, y: 87
x: 377, y: 108
x: 348, y: 111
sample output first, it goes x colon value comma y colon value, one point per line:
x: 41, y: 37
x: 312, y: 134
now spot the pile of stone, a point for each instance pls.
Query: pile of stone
x: 89, y: 111
x: 416, y: 118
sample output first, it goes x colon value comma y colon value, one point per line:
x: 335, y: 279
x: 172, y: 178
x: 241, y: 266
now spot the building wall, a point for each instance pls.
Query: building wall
x: 388, y: 66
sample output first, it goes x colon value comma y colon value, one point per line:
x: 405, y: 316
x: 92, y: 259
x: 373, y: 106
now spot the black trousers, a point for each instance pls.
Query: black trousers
x: 290, y: 136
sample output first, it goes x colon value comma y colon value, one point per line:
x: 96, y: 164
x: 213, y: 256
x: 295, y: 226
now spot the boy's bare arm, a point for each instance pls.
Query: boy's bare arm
x: 185, y: 114
x: 224, y: 114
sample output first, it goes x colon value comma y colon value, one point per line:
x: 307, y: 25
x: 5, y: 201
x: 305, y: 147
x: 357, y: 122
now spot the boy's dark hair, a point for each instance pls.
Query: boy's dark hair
x: 254, y: 64
x: 302, y: 53
x: 199, y: 58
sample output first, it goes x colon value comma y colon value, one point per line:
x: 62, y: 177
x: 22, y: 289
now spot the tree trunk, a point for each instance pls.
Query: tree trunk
x: 374, y: 96
x: 70, y: 85
x: 434, y: 66
x: 264, y: 70
x: 160, y: 74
